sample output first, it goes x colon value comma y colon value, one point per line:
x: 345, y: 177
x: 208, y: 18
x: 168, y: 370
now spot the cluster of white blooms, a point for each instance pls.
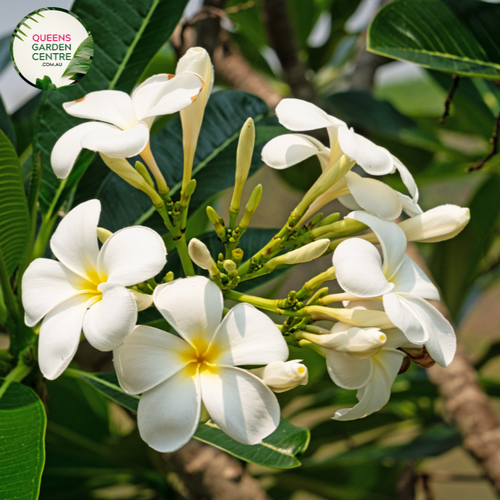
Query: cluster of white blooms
x: 369, y: 359
x: 198, y: 366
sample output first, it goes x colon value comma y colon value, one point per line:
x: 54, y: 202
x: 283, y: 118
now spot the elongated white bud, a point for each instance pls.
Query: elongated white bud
x: 307, y: 253
x: 243, y: 162
x: 438, y: 224
x: 360, y: 342
x: 200, y: 255
x: 195, y: 60
x: 282, y: 376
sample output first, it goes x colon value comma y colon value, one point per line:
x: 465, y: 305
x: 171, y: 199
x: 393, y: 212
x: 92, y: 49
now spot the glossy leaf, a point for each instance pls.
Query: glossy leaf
x: 454, y: 263
x: 277, y: 450
x: 6, y: 123
x: 14, y: 219
x: 22, y: 452
x: 82, y: 60
x: 125, y: 40
x: 455, y: 36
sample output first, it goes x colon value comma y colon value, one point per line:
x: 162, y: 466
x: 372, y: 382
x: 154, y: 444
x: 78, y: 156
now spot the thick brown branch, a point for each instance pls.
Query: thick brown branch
x: 208, y: 31
x: 211, y: 474
x: 466, y: 404
x: 282, y: 39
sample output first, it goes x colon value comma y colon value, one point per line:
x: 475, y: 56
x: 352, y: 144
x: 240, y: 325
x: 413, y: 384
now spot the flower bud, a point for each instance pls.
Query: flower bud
x: 438, y: 224
x: 282, y: 376
x: 359, y: 342
x: 127, y: 172
x: 306, y: 253
x: 200, y: 255
x: 103, y: 234
x: 253, y: 203
x: 143, y: 171
x: 243, y: 162
x: 195, y: 60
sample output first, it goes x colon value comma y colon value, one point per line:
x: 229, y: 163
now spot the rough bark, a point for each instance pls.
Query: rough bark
x: 208, y: 29
x: 211, y: 474
x: 282, y: 39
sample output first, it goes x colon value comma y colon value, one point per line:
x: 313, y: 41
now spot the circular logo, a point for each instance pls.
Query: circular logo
x: 51, y: 49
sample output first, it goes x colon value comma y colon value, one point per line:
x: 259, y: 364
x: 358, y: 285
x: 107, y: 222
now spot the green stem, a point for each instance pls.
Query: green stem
x: 16, y: 375
x: 8, y: 294
x: 43, y: 236
x: 182, y: 249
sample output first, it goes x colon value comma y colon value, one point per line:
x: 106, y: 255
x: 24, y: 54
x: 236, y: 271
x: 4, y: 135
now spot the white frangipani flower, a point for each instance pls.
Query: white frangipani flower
x: 399, y: 281
x: 298, y: 116
x: 175, y: 374
x: 357, y: 367
x: 122, y: 125
x: 438, y: 224
x: 281, y: 376
x: 87, y: 286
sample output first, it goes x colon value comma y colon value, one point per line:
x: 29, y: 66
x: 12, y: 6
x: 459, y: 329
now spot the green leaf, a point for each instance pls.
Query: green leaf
x: 277, y: 450
x: 22, y: 452
x: 454, y: 263
x: 127, y: 34
x: 45, y: 83
x: 214, y: 164
x: 82, y: 60
x: 6, y: 123
x: 15, y: 219
x: 455, y: 36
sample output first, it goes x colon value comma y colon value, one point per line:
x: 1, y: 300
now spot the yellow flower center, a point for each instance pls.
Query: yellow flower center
x: 200, y: 356
x: 90, y: 285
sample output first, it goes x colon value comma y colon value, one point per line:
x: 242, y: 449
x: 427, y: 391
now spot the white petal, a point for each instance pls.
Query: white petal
x: 111, y: 106
x: 109, y: 321
x: 396, y: 338
x: 74, y: 242
x: 409, y: 206
x: 347, y: 371
x: 442, y: 343
x: 287, y: 150
x: 377, y: 392
x: 148, y: 357
x: 359, y: 269
x: 374, y: 196
x: 365, y: 304
x: 243, y: 333
x: 411, y: 279
x: 350, y: 202
x: 117, y: 143
x: 144, y: 95
x: 370, y: 157
x: 404, y: 317
x: 47, y: 283
x: 168, y: 414
x: 407, y: 179
x: 60, y: 335
x: 193, y: 306
x: 240, y: 404
x: 132, y: 255
x: 176, y: 94
x: 69, y: 145
x: 143, y: 300
x: 298, y: 115
x: 391, y: 237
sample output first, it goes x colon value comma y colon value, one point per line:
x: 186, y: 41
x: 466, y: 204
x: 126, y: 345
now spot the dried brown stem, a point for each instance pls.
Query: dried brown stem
x: 210, y: 474
x: 449, y: 98
x: 494, y: 147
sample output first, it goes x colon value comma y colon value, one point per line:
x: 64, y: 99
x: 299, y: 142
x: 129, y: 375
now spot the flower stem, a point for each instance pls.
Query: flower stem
x: 267, y: 304
x: 182, y: 249
x: 16, y: 375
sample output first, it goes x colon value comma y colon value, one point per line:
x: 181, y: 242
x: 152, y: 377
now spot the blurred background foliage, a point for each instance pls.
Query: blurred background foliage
x: 409, y: 449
